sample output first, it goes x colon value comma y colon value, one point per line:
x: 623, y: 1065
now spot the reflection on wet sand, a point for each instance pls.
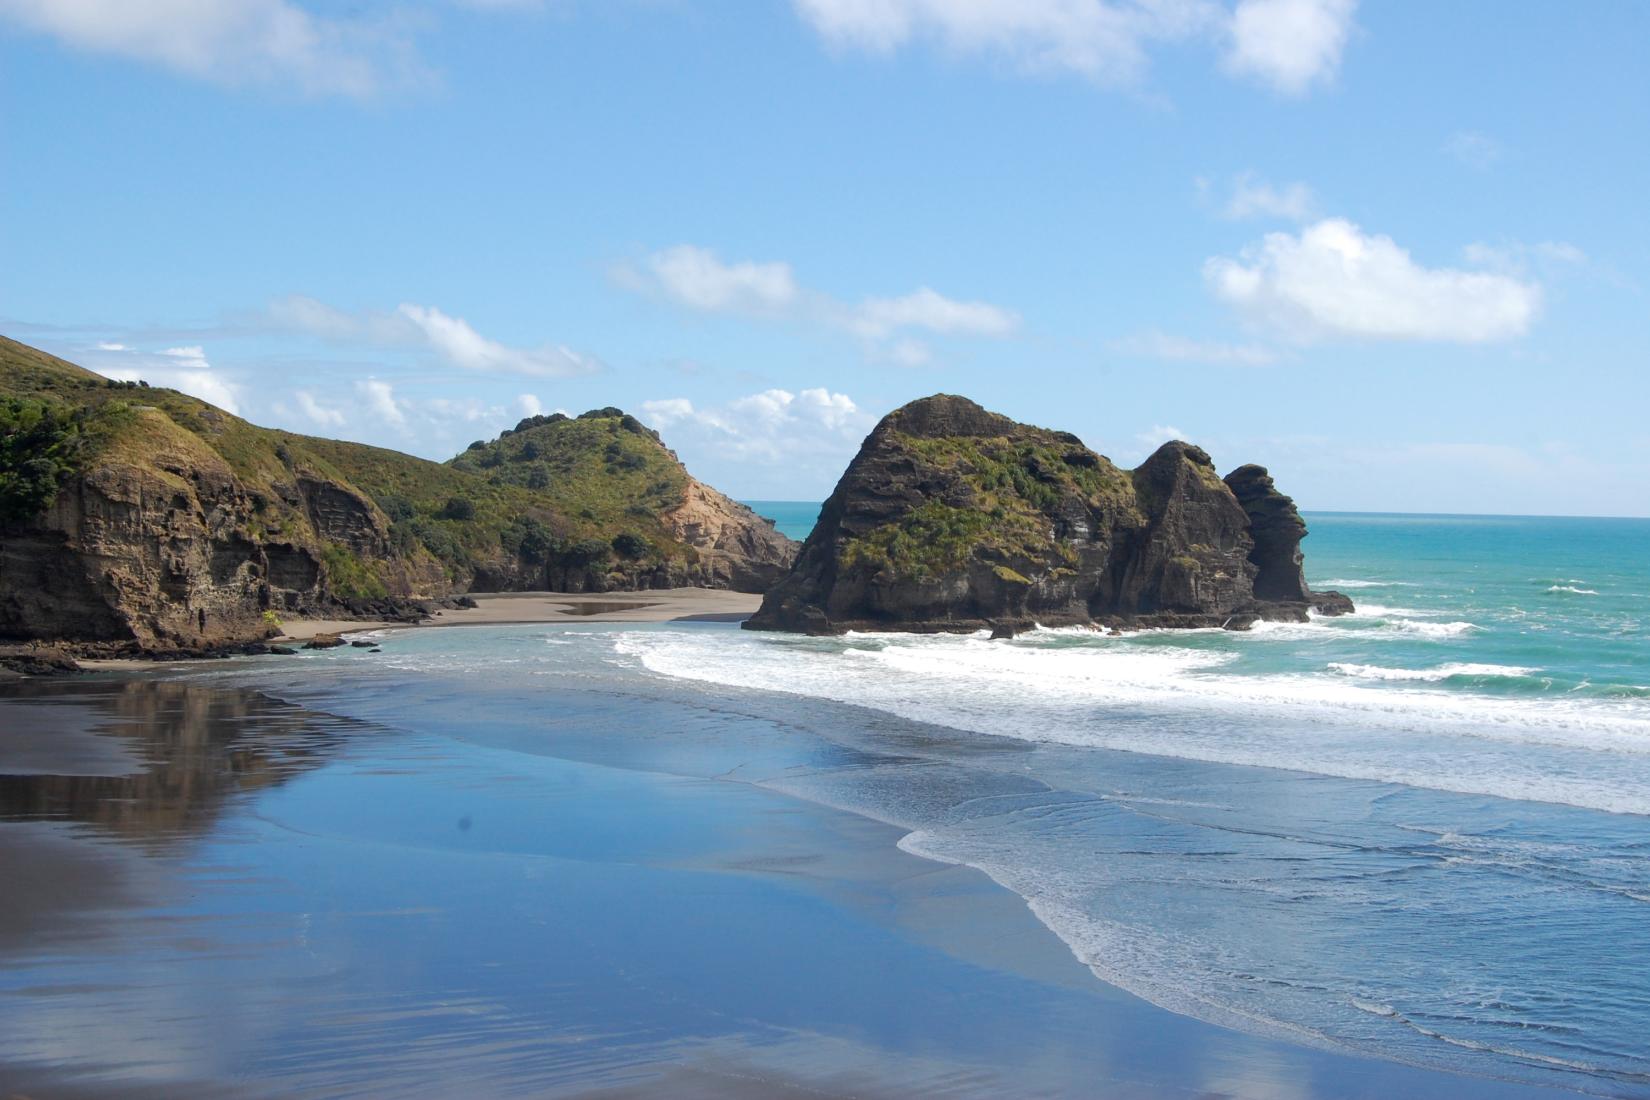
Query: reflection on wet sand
x: 196, y: 747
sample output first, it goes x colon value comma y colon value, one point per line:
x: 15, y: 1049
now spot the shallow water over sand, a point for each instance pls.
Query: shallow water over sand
x: 462, y: 867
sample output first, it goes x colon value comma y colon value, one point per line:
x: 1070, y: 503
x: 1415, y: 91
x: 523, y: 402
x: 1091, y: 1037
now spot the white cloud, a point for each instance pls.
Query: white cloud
x: 814, y: 427
x: 184, y: 369
x: 233, y: 42
x: 1253, y: 197
x: 324, y: 415
x: 663, y: 413
x: 1178, y: 349
x: 529, y: 405
x: 1473, y: 149
x: 697, y: 278
x: 380, y: 398
x: 410, y: 325
x: 1157, y: 435
x: 1097, y: 39
x: 1290, y: 44
x: 928, y: 309
x: 463, y: 346
x: 1333, y: 280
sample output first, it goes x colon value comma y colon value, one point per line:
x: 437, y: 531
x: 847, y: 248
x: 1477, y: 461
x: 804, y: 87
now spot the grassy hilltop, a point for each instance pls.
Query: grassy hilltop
x: 584, y: 503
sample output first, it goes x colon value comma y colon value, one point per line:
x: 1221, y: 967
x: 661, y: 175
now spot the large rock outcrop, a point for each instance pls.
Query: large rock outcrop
x: 953, y: 518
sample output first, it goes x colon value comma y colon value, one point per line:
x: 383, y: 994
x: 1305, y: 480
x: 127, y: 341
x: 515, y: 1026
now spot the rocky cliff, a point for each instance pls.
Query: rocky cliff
x: 138, y: 518
x: 952, y: 518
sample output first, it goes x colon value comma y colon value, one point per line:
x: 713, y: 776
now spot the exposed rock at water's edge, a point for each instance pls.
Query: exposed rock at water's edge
x: 953, y: 518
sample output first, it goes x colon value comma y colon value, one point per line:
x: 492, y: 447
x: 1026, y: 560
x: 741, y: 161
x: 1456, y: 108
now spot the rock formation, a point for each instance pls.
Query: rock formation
x: 141, y: 519
x: 952, y: 518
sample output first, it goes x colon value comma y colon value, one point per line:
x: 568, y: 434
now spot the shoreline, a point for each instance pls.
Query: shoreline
x: 518, y: 608
x: 503, y: 609
x: 861, y: 909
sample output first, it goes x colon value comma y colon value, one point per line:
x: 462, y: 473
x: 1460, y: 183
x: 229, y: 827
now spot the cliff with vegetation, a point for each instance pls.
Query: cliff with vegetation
x: 952, y: 518
x: 141, y: 518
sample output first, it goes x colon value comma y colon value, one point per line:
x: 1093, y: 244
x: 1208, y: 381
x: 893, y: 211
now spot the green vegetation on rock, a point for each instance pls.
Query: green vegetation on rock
x: 1005, y: 491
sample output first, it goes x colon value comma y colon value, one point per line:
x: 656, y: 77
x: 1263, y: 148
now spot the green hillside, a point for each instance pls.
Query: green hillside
x: 582, y: 493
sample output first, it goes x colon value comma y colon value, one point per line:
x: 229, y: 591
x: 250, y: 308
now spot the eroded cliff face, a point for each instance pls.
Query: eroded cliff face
x: 953, y: 518
x: 735, y: 548
x: 176, y: 552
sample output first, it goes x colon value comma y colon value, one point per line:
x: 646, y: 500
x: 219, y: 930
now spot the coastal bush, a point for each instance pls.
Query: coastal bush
x: 528, y: 539
x: 459, y: 508
x: 587, y: 552
x: 40, y: 445
x: 628, y: 544
x: 348, y: 576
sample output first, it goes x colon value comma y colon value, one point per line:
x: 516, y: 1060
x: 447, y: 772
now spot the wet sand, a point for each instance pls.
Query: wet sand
x: 505, y: 608
x: 416, y: 885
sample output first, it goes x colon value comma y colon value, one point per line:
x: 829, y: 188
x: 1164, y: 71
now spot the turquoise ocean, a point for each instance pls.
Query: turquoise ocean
x: 1422, y: 829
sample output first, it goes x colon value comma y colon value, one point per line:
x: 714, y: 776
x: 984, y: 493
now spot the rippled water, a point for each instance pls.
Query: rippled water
x: 1419, y: 833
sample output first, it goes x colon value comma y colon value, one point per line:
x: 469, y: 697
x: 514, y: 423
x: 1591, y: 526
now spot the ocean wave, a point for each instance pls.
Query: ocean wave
x: 1353, y: 582
x: 1184, y: 701
x: 1571, y: 589
x: 1430, y: 675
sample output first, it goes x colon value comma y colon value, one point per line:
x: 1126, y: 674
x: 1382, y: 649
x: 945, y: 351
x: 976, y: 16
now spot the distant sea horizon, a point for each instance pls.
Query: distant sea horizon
x: 796, y: 518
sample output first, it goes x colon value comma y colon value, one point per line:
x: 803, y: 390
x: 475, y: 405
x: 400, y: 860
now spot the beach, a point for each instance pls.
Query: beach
x: 499, y: 608
x: 233, y: 886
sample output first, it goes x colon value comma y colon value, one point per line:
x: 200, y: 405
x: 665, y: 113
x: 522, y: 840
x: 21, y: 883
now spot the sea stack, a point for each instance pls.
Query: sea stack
x: 954, y: 518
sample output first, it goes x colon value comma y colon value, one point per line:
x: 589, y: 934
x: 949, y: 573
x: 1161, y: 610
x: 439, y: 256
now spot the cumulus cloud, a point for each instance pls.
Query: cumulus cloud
x: 454, y: 339
x: 698, y: 279
x: 1179, y: 349
x: 1289, y: 44
x: 184, y: 369
x: 809, y: 433
x: 232, y: 42
x: 1334, y: 280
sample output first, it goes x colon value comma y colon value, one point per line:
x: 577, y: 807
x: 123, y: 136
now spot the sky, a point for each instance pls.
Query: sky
x: 1397, y: 252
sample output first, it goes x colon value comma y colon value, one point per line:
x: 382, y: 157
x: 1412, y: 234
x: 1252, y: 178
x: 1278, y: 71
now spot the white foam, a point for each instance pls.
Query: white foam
x: 1180, y: 701
x: 1427, y: 675
x: 1574, y: 590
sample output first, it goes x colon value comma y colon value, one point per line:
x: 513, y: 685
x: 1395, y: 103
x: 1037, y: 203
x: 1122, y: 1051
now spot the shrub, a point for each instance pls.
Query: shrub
x: 587, y: 552
x: 348, y: 576
x: 396, y: 507
x: 630, y: 545
x: 40, y: 445
x: 459, y: 508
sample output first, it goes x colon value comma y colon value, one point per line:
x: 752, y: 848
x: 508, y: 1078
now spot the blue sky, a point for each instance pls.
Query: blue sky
x: 1396, y: 252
